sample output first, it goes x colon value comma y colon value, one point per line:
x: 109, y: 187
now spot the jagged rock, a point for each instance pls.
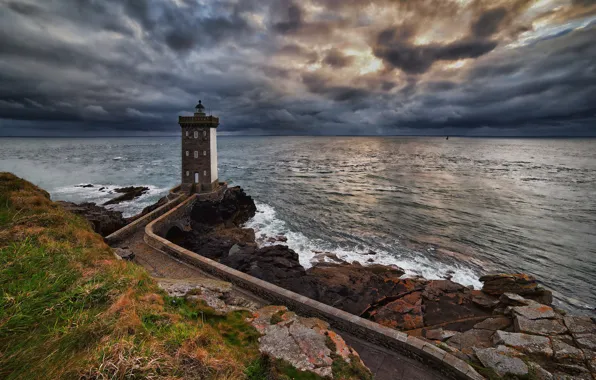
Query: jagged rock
x: 236, y: 208
x: 503, y: 360
x: 467, y: 341
x: 565, y: 352
x: 533, y: 345
x: 539, y: 372
x: 103, y: 221
x: 327, y: 257
x: 128, y: 194
x: 306, y: 343
x: 404, y: 313
x: 234, y: 250
x: 87, y: 185
x: 512, y: 299
x: 534, y: 311
x: 587, y: 341
x: 125, y: 253
x: 493, y: 324
x: 544, y: 327
x: 439, y: 334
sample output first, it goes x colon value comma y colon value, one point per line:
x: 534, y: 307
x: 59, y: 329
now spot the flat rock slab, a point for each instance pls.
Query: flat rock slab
x: 580, y: 325
x: 546, y: 327
x: 494, y: 324
x: 529, y: 344
x: 534, y: 311
x: 586, y: 341
x: 512, y: 299
x: 565, y: 352
x: 467, y: 341
x: 503, y: 360
x: 439, y: 334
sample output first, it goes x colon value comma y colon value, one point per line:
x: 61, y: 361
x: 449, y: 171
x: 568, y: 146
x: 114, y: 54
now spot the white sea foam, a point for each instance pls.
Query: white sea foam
x: 265, y: 222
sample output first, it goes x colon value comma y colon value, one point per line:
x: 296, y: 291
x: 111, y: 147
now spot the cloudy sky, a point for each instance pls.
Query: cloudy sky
x: 471, y: 67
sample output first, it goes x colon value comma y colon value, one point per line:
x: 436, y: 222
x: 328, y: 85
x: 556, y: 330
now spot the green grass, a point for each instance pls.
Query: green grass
x: 70, y: 309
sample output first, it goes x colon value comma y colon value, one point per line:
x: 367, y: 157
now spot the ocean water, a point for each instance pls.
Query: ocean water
x: 459, y: 207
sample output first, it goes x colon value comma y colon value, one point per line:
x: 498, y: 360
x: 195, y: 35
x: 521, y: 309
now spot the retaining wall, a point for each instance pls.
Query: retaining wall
x: 424, y: 352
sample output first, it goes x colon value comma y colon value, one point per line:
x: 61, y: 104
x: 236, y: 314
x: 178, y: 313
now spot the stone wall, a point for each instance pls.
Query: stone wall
x: 136, y: 225
x: 415, y: 348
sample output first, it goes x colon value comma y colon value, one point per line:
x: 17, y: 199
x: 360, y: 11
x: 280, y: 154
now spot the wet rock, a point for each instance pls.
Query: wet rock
x: 327, y: 257
x: 565, y: 352
x: 103, y: 221
x: 439, y: 334
x: 308, y: 344
x: 493, y: 324
x: 534, y: 311
x: 234, y: 250
x: 533, y: 345
x: 125, y: 253
x: 84, y: 186
x: 544, y: 327
x: 471, y: 339
x: 128, y: 194
x: 503, y: 360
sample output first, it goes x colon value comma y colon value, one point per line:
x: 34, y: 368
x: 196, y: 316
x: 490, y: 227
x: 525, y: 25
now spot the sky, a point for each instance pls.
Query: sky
x: 310, y: 67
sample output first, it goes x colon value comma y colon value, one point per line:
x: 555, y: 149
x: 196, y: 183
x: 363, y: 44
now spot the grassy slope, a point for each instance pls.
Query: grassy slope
x: 69, y: 309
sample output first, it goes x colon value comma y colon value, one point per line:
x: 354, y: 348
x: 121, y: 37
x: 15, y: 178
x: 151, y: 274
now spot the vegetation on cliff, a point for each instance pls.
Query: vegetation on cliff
x: 70, y: 309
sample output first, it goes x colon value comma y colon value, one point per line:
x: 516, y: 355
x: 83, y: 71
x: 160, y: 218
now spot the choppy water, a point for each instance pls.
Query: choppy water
x: 430, y: 205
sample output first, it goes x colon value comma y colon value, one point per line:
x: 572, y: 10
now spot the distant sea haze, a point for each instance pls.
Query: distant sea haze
x: 439, y: 208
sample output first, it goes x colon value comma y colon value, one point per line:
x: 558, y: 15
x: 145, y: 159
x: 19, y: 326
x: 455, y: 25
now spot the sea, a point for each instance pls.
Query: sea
x: 440, y: 208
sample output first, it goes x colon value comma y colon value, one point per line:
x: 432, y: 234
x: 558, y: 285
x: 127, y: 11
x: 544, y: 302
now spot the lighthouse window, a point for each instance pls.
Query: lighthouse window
x: 187, y: 173
x: 196, y: 134
x: 196, y: 154
x: 186, y: 133
x: 204, y: 133
x: 187, y: 153
x: 204, y: 153
x: 205, y: 172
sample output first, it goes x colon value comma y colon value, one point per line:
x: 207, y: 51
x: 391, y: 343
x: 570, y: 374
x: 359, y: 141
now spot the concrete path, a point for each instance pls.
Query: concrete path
x: 384, y: 364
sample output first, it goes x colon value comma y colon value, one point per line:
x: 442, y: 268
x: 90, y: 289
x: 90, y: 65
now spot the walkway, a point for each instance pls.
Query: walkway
x: 385, y: 364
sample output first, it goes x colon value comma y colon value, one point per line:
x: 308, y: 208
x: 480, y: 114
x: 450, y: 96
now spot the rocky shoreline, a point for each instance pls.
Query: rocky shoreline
x: 509, y: 328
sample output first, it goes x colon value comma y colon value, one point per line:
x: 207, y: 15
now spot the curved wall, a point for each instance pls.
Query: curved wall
x: 362, y: 328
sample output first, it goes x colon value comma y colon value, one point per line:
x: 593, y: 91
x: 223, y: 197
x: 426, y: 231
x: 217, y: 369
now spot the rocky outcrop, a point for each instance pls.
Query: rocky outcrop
x: 235, y: 208
x: 128, y: 194
x: 103, y: 221
x: 517, y: 283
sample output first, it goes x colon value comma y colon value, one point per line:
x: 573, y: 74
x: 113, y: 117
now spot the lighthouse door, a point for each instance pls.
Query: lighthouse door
x: 196, y: 177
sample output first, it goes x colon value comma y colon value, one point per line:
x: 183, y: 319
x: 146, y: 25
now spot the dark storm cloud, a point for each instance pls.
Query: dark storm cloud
x: 395, y: 49
x: 315, y: 67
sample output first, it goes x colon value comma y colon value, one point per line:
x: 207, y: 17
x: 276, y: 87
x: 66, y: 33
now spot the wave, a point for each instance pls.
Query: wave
x: 266, y: 224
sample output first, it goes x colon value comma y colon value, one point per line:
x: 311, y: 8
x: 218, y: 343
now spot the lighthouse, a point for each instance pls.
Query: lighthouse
x: 199, y: 151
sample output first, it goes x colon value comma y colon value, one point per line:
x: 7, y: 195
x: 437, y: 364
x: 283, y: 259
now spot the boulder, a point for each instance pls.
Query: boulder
x: 586, y: 341
x: 128, y: 194
x: 544, y: 327
x: 503, y: 360
x: 103, y: 221
x: 125, y: 253
x: 532, y: 345
x: 439, y: 334
x: 308, y: 344
x: 580, y: 324
x: 512, y: 299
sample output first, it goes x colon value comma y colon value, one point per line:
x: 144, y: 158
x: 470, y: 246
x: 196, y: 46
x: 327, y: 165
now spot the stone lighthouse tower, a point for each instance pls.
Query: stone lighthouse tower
x: 199, y: 151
